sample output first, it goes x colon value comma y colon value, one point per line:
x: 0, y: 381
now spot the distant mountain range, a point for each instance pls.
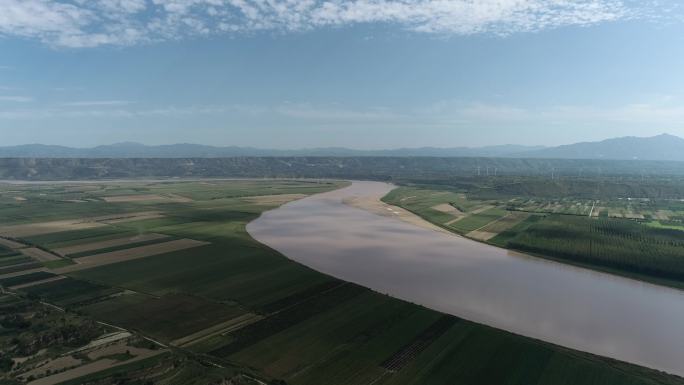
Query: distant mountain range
x: 662, y: 147
x: 184, y: 150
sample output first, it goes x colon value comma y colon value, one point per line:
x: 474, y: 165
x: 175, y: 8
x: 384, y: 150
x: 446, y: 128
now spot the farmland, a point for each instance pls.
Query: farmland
x: 231, y: 309
x: 635, y: 236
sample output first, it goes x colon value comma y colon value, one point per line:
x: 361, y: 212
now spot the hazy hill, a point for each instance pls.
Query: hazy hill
x: 184, y: 150
x: 660, y: 147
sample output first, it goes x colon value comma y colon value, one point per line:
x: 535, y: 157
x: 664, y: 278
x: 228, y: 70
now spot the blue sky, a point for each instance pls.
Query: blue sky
x: 361, y: 73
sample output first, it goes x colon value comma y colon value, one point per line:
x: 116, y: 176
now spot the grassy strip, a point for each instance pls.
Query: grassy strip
x: 125, y: 368
x: 120, y: 247
x: 69, y: 291
x: 166, y: 318
x: 63, y: 238
x: 505, y: 236
x: 476, y: 221
x: 58, y: 263
x: 408, y: 352
x: 20, y: 267
x: 26, y: 278
x: 7, y: 253
x: 280, y: 321
x: 300, y: 296
x: 14, y: 260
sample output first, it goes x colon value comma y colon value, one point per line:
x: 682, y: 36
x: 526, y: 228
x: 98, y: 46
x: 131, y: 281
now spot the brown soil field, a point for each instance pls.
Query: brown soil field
x: 136, y: 217
x: 104, y: 340
x: 38, y: 254
x: 39, y: 228
x: 11, y: 244
x: 482, y: 235
x: 118, y: 348
x: 16, y: 273
x: 22, y: 268
x: 108, y: 243
x: 492, y: 229
x: 662, y: 215
x: 146, y: 198
x: 31, y: 229
x: 91, y: 368
x: 224, y: 327
x: 178, y: 198
x: 61, y: 363
x: 278, y: 199
x: 130, y: 254
x: 506, y: 222
x: 632, y: 215
x: 481, y: 209
x: 57, y: 278
x: 454, y: 220
x: 448, y: 209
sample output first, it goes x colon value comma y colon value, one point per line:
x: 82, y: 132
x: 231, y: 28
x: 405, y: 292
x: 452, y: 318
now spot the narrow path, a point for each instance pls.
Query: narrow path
x: 592, y: 209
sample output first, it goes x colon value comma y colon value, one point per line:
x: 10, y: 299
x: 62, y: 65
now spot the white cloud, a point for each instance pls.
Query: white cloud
x: 87, y: 109
x: 653, y: 115
x: 97, y: 103
x: 336, y: 113
x: 445, y: 115
x: 89, y: 23
x: 15, y: 98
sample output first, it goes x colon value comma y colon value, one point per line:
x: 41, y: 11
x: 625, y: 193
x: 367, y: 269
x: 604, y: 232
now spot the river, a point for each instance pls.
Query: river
x: 578, y: 308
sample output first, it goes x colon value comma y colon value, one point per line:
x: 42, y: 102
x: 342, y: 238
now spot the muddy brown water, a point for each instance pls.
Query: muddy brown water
x: 569, y: 306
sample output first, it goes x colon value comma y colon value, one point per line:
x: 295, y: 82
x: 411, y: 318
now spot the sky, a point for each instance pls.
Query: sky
x: 367, y: 74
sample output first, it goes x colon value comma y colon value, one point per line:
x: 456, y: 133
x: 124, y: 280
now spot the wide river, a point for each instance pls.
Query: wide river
x: 577, y: 308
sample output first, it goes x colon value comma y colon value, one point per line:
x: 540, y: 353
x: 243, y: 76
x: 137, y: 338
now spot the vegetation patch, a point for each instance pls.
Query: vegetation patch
x: 287, y: 318
x: 69, y: 292
x: 399, y: 359
x: 166, y: 318
x: 26, y: 278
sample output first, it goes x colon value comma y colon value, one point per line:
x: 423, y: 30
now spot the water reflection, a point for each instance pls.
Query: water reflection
x: 569, y: 306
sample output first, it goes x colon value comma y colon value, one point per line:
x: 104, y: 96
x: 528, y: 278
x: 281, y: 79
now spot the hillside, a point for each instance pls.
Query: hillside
x: 663, y: 147
x: 186, y: 150
x: 660, y: 147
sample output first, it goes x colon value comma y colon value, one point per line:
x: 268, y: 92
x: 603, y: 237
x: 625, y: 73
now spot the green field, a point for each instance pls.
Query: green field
x: 68, y: 291
x: 300, y: 326
x: 479, y: 220
x: 165, y: 318
x: 621, y: 236
x: 627, y: 246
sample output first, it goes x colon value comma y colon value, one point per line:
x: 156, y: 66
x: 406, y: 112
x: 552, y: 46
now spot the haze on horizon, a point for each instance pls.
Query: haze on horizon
x: 365, y: 74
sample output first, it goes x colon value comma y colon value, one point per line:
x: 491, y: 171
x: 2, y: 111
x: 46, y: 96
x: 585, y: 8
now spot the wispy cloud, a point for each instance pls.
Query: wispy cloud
x: 16, y: 99
x: 121, y: 112
x: 89, y: 23
x: 446, y: 114
x: 654, y: 113
x: 336, y: 113
x: 97, y: 103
